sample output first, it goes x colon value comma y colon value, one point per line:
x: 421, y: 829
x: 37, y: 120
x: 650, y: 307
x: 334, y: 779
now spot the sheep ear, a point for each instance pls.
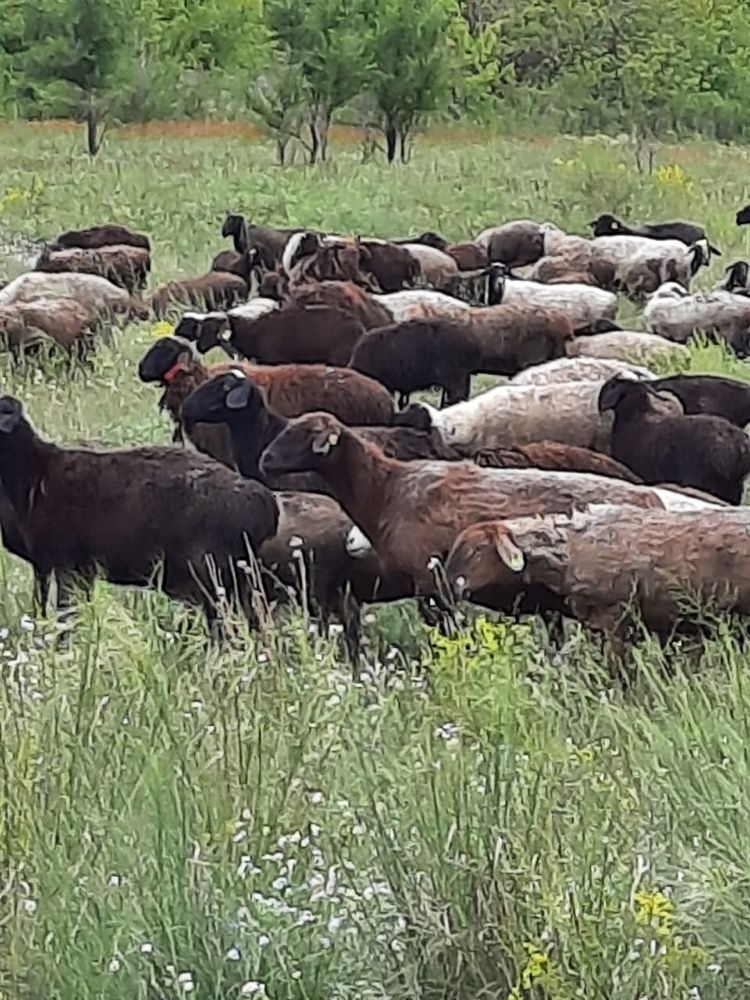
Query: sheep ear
x: 323, y: 442
x: 8, y: 422
x: 225, y: 335
x: 238, y: 396
x: 509, y: 553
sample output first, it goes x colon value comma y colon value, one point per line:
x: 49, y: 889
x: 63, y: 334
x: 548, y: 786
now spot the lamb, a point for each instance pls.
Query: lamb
x: 348, y: 298
x: 100, y: 236
x: 221, y: 516
x: 704, y: 452
x: 65, y: 322
x: 686, y: 232
x: 420, y: 354
x: 214, y: 290
x: 90, y: 290
x: 669, y: 566
x: 412, y: 512
x: 515, y: 243
x: 714, y: 394
x: 627, y: 345
x: 292, y: 334
x: 123, y: 265
x: 521, y: 414
x: 267, y: 240
x: 578, y: 370
x: 555, y: 457
x: 673, y: 313
x: 590, y: 310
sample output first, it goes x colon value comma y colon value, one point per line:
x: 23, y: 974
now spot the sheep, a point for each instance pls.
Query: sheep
x: 413, y: 511
x: 90, y: 290
x: 669, y: 566
x: 736, y: 278
x: 192, y: 324
x: 420, y: 354
x: 138, y: 491
x: 686, y: 232
x: 701, y: 451
x: 591, y: 310
x: 347, y: 297
x: 65, y: 322
x: 627, y: 345
x: 714, y: 394
x: 236, y: 398
x: 515, y: 243
x: 309, y: 257
x: 512, y: 338
x: 421, y: 303
x: 123, y: 265
x: 436, y: 267
x: 675, y: 314
x: 289, y: 335
x: 100, y: 236
x: 641, y: 264
x: 392, y: 267
x: 468, y: 256
x: 214, y: 290
x: 554, y: 457
x: 268, y: 241
x: 291, y: 389
x: 743, y: 216
x: 429, y: 239
x: 521, y: 414
x: 578, y: 370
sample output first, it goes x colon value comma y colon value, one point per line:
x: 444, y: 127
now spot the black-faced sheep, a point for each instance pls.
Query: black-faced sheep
x: 704, y: 452
x: 715, y: 394
x: 137, y: 491
x: 736, y: 278
x: 590, y: 310
x: 686, y: 232
x: 267, y: 240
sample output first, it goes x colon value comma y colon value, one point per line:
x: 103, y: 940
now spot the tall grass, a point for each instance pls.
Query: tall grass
x: 474, y: 818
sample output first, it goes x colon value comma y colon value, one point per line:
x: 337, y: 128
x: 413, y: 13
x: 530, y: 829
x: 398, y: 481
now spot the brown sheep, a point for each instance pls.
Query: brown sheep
x: 139, y: 491
x: 123, y: 265
x: 554, y: 456
x: 391, y: 266
x: 66, y: 322
x: 215, y: 290
x: 513, y: 337
x: 669, y: 565
x: 347, y: 297
x: 100, y: 236
x: 413, y: 511
x: 469, y: 256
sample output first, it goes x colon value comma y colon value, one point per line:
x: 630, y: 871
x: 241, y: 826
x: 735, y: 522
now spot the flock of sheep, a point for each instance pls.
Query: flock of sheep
x: 301, y: 469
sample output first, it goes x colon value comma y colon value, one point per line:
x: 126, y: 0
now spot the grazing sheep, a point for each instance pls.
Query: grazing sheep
x: 578, y: 370
x: 348, y: 298
x: 100, y: 236
x: 215, y: 290
x: 670, y: 566
x: 715, y: 394
x: 641, y: 265
x: 469, y: 256
x: 589, y: 309
x: 309, y: 257
x: 704, y: 452
x: 123, y: 265
x: 512, y: 338
x: 137, y: 492
x: 514, y: 243
x: 292, y: 334
x: 521, y: 414
x: 686, y: 232
x: 736, y: 278
x: 420, y: 354
x: 90, y: 290
x: 675, y: 314
x: 627, y: 345
x: 554, y: 457
x: 267, y: 240
x: 413, y: 511
x: 65, y: 322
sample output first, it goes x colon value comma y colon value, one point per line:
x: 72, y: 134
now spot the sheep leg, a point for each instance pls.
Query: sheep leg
x: 351, y: 619
x: 66, y: 603
x: 41, y: 590
x: 456, y: 390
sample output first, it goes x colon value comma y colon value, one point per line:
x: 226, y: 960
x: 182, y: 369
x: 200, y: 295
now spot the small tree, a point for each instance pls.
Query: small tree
x: 411, y: 66
x: 279, y: 101
x: 326, y: 40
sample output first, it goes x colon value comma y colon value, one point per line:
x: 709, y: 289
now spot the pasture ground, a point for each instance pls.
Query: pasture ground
x: 474, y: 818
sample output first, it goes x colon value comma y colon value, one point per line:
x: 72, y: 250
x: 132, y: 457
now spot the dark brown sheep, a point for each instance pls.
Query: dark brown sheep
x: 123, y: 265
x: 705, y: 452
x: 670, y: 566
x: 714, y: 394
x: 100, y: 236
x: 292, y: 334
x: 215, y: 290
x: 119, y: 511
x: 515, y: 243
x: 469, y: 256
x: 391, y: 266
x: 420, y: 354
x: 347, y: 297
x: 267, y: 240
x: 413, y: 511
x: 244, y: 265
x: 513, y: 337
x: 554, y: 456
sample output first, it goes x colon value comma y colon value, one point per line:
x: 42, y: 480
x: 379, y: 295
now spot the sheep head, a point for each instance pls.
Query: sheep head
x: 221, y: 398
x: 304, y: 446
x: 480, y: 557
x: 166, y: 358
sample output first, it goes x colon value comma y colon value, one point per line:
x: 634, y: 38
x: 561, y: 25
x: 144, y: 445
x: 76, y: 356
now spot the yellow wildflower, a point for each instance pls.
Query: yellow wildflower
x: 537, y: 968
x: 162, y: 329
x: 655, y: 910
x: 672, y: 175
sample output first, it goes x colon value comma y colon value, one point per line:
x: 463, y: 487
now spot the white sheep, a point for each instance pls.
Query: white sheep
x: 626, y: 345
x: 421, y: 303
x: 438, y: 269
x: 674, y: 313
x: 91, y: 290
x: 587, y: 308
x: 579, y: 370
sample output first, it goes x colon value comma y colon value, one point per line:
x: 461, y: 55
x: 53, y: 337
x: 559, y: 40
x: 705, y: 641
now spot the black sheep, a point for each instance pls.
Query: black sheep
x: 127, y: 512
x: 704, y: 452
x: 100, y: 236
x: 420, y: 354
x: 268, y: 241
x: 686, y: 232
x: 722, y: 397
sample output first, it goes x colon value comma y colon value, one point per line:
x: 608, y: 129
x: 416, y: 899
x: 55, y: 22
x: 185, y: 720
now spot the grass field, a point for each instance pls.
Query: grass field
x: 474, y: 819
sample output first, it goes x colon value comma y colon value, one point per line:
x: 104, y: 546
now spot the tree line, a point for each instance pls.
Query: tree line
x: 295, y: 66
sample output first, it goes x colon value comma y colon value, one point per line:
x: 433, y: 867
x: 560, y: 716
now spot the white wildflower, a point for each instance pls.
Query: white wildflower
x: 264, y: 941
x: 233, y: 955
x: 114, y: 965
x: 253, y: 988
x: 147, y: 948
x: 317, y: 798
x: 30, y: 906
